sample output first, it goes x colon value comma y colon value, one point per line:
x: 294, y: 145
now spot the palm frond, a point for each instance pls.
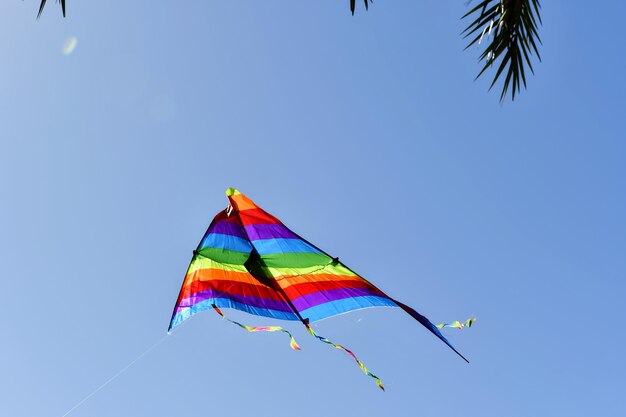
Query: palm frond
x: 43, y: 3
x: 510, y: 26
x: 353, y: 5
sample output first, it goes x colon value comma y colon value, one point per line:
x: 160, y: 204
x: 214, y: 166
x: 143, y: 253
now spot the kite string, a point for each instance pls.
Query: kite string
x: 293, y: 344
x: 114, y: 377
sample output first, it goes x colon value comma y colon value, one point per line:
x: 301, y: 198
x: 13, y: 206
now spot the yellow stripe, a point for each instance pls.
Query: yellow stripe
x: 201, y: 262
x: 330, y: 269
x: 289, y: 281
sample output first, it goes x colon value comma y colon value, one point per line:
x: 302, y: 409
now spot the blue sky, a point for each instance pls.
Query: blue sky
x: 364, y: 134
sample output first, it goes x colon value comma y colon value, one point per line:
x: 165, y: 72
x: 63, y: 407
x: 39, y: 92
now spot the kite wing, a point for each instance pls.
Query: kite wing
x: 316, y: 285
x: 217, y: 276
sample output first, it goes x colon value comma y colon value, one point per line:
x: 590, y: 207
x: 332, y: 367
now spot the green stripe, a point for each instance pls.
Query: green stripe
x: 200, y: 262
x: 224, y: 255
x: 278, y: 260
x: 295, y: 260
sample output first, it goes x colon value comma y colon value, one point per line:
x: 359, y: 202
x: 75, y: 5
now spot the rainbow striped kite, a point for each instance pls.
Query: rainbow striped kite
x: 248, y: 260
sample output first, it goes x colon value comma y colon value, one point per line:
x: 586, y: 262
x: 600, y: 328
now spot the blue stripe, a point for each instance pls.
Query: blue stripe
x: 272, y: 246
x: 333, y: 308
x: 229, y: 242
x: 226, y: 303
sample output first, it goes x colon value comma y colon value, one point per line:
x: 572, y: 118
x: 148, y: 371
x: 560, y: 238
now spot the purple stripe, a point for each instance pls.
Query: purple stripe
x: 321, y: 297
x: 252, y: 301
x: 269, y: 231
x: 228, y: 228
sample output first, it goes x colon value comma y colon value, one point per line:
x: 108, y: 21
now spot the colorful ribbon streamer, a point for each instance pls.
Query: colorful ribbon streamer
x: 349, y: 352
x: 295, y: 346
x: 292, y: 342
x: 457, y: 324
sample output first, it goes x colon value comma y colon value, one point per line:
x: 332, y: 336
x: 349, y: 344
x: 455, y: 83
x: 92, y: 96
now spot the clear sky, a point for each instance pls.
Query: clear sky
x: 364, y: 134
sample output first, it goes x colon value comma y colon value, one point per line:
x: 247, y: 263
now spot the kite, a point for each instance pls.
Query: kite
x: 250, y: 261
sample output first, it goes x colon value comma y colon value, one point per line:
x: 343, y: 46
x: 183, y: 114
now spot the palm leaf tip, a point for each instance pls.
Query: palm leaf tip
x: 43, y: 4
x: 353, y: 5
x: 511, y: 29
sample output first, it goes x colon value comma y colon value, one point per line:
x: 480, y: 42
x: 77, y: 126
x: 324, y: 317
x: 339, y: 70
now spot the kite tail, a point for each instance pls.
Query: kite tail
x: 292, y: 342
x: 349, y: 352
x: 457, y: 324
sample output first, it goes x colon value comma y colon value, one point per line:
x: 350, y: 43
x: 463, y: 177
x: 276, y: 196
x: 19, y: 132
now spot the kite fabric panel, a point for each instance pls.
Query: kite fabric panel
x: 250, y: 261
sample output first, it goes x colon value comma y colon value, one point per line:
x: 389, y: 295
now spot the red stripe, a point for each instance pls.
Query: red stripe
x: 231, y: 287
x: 231, y: 219
x: 298, y: 290
x: 224, y: 217
x: 256, y: 216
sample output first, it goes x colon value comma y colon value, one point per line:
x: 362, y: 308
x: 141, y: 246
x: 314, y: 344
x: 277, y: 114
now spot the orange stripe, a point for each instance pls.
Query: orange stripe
x: 242, y: 202
x: 214, y: 274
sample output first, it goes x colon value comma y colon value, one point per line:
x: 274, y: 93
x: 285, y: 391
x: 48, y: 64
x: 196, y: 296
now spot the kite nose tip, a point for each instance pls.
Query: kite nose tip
x: 232, y: 191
